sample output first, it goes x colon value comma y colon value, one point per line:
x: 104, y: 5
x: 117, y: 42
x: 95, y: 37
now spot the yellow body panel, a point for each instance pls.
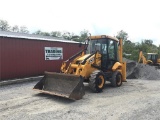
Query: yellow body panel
x: 158, y: 61
x: 83, y: 57
x: 116, y: 66
x: 149, y: 62
x: 124, y: 71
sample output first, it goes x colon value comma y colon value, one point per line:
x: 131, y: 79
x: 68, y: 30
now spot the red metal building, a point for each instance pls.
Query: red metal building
x: 23, y: 55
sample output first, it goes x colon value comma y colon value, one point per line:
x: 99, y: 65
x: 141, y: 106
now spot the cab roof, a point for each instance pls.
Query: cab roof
x: 103, y: 36
x: 152, y: 53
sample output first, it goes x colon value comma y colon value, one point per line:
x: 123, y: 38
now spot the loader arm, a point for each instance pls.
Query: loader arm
x: 73, y: 59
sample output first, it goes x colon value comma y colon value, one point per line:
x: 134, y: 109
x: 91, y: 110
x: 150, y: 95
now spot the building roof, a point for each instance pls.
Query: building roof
x: 33, y: 37
x: 151, y: 53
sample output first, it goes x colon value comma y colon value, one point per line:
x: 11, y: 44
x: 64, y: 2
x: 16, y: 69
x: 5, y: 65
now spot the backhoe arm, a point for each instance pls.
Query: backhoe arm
x: 141, y: 57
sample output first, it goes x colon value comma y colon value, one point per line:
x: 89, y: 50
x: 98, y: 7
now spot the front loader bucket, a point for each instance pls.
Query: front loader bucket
x: 64, y: 85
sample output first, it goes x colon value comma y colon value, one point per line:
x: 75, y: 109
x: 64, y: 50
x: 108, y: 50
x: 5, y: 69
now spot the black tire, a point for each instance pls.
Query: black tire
x: 116, y: 80
x: 97, y: 81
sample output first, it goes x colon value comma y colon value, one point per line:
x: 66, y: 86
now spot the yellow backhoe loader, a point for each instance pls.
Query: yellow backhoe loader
x: 152, y: 59
x: 99, y: 61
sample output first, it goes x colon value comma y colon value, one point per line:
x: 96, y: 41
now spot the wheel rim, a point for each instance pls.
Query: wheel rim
x: 119, y: 79
x: 100, y: 81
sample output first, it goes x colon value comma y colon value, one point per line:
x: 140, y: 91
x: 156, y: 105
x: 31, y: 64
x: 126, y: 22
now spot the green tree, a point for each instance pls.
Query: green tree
x: 56, y: 34
x: 4, y: 26
x: 68, y: 35
x: 148, y: 41
x: 38, y: 32
x: 45, y: 33
x: 158, y: 49
x: 83, y: 36
x: 23, y: 29
x: 15, y: 28
x: 128, y: 46
x: 122, y: 34
x: 147, y: 46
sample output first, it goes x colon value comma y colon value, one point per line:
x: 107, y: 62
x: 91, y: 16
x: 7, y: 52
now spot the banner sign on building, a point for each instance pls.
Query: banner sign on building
x: 53, y: 53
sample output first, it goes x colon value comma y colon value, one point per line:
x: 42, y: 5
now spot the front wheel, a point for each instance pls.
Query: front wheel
x: 116, y: 80
x: 97, y: 81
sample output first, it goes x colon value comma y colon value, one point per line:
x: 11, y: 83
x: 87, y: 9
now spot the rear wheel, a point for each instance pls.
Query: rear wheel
x: 116, y: 79
x: 97, y: 81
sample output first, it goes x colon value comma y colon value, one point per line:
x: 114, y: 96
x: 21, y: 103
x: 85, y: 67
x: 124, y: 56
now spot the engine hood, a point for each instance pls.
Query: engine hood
x: 82, y: 58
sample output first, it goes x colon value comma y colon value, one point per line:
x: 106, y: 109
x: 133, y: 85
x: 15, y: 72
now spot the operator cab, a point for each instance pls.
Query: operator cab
x: 153, y: 57
x: 107, y: 47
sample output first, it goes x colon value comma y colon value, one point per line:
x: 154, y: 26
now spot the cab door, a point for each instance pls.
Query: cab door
x: 110, y: 56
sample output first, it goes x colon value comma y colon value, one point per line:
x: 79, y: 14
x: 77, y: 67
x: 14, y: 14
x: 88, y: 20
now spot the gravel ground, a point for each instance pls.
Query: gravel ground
x: 134, y: 100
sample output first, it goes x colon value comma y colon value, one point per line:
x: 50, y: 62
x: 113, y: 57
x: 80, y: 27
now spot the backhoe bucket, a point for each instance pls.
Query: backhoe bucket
x: 64, y: 85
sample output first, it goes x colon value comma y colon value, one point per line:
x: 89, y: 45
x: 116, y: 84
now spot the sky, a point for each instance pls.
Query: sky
x: 139, y: 18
